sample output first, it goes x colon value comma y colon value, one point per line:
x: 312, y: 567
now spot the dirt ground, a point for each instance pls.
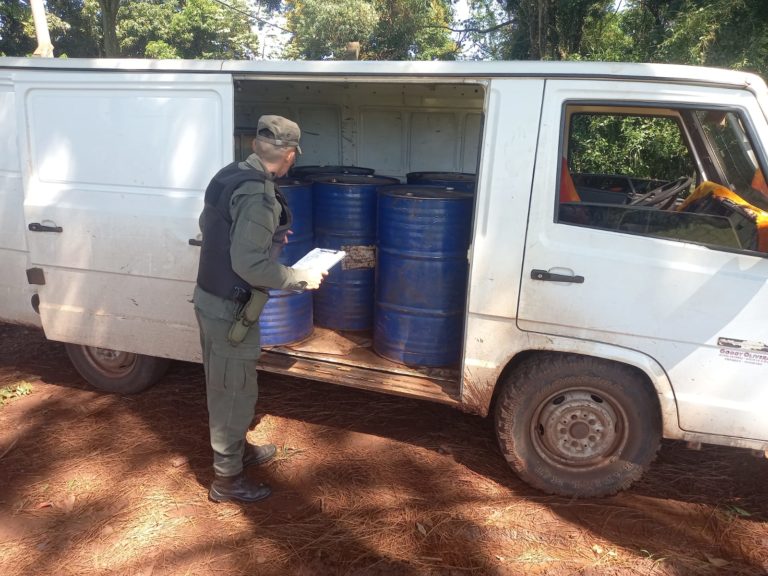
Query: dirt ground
x: 364, y: 484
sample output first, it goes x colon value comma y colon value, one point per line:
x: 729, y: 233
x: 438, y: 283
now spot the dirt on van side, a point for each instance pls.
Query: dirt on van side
x: 364, y: 484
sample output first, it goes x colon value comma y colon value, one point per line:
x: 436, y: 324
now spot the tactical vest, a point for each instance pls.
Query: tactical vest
x: 215, y: 274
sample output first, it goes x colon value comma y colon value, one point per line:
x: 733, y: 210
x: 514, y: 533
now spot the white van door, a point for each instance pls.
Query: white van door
x: 114, y: 168
x: 16, y: 296
x: 688, y: 289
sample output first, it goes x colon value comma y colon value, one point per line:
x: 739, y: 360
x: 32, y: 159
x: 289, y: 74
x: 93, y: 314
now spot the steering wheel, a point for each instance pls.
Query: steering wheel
x: 664, y: 195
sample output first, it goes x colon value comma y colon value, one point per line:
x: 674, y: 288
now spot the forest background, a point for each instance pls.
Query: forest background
x: 723, y: 33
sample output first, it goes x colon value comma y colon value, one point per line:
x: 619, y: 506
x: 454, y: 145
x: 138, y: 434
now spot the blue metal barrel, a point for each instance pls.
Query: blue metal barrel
x: 286, y: 318
x: 302, y: 171
x: 345, y: 219
x: 456, y: 180
x: 421, y: 278
x: 298, y: 194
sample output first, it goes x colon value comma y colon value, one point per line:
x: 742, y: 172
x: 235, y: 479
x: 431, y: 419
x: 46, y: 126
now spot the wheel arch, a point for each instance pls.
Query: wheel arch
x: 652, y: 373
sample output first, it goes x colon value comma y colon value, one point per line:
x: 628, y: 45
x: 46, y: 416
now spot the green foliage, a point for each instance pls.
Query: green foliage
x: 641, y: 147
x: 72, y: 24
x: 413, y: 30
x: 15, y: 39
x: 14, y: 391
x: 385, y: 29
x: 604, y: 40
x: 185, y: 29
x: 142, y: 28
x: 484, y: 31
x: 161, y: 50
x: 322, y: 29
x: 146, y: 22
x: 724, y: 33
x: 550, y: 29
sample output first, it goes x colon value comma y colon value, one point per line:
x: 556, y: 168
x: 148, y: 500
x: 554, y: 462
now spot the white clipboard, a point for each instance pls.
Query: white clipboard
x: 320, y: 259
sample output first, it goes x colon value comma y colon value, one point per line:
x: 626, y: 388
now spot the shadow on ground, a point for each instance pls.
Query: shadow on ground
x: 364, y: 484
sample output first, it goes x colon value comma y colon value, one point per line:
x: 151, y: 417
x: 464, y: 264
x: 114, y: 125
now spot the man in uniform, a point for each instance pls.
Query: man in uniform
x: 241, y: 216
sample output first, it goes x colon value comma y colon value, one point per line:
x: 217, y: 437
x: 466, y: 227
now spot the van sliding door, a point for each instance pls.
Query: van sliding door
x: 114, y: 167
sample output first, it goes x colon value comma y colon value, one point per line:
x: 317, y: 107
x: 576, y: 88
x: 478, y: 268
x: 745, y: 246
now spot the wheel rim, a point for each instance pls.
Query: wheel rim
x: 111, y: 363
x: 579, y: 428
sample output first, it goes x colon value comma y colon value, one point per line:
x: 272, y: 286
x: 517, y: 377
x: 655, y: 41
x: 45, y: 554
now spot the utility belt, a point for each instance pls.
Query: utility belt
x: 253, y: 302
x: 247, y: 315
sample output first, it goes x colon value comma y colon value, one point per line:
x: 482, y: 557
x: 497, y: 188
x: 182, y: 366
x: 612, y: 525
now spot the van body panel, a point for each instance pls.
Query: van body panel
x: 504, y: 187
x: 678, y: 301
x: 505, y: 173
x: 412, y: 71
x: 15, y: 292
x: 481, y: 375
x: 118, y: 162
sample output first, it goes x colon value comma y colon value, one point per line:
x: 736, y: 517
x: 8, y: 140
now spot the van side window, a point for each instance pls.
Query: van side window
x: 688, y: 175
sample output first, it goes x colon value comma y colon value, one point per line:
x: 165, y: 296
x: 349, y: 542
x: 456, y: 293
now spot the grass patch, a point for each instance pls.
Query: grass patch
x: 8, y: 393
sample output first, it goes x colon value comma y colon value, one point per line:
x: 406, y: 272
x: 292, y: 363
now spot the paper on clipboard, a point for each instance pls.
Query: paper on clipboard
x: 320, y: 259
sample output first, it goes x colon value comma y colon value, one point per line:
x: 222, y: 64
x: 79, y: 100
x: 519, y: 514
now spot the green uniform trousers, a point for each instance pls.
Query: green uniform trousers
x: 230, y: 380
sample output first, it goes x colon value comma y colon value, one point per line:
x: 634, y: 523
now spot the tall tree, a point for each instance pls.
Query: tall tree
x: 80, y: 33
x: 385, y: 29
x: 727, y: 33
x: 109, y: 9
x: 484, y: 34
x: 73, y: 27
x: 413, y: 30
x: 134, y: 28
x: 550, y: 29
x: 322, y: 29
x: 186, y: 29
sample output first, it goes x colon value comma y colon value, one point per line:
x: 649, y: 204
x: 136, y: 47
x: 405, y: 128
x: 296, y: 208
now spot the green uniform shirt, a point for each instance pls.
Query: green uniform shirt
x: 255, y: 213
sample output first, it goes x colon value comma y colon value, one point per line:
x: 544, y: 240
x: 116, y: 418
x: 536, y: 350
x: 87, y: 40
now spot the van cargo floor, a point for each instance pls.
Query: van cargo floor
x: 348, y: 358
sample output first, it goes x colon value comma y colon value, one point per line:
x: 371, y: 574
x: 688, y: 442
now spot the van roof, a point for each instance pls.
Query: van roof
x: 344, y: 69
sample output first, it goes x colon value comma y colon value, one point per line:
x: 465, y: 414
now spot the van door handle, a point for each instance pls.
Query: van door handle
x: 195, y: 242
x: 547, y: 276
x: 37, y: 227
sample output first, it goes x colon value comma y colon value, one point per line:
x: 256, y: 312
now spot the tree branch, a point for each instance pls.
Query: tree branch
x: 476, y: 30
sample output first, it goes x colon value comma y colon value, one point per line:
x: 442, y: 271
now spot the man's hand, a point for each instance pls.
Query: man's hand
x: 310, y: 279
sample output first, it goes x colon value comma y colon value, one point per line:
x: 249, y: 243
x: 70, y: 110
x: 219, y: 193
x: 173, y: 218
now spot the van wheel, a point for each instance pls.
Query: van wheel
x: 577, y: 426
x: 116, y: 372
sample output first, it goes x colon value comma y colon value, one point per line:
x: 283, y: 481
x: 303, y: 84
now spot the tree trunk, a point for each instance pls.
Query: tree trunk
x: 109, y: 10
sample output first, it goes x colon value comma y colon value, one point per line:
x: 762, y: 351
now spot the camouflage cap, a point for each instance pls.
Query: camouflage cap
x: 284, y: 132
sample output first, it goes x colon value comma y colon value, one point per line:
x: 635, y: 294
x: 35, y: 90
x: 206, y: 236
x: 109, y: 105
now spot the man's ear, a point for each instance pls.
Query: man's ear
x: 290, y: 157
x: 253, y: 145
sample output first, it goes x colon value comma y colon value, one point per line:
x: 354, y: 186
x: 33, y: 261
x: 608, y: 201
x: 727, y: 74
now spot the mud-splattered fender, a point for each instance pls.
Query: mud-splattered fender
x: 493, y: 345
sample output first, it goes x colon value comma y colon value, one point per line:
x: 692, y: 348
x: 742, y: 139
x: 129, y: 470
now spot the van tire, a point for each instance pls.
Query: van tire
x: 116, y: 372
x: 577, y: 426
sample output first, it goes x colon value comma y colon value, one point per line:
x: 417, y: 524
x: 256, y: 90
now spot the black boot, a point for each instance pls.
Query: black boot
x: 255, y: 455
x: 238, y: 487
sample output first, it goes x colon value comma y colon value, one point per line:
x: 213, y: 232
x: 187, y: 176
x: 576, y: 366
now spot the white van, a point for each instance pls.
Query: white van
x: 605, y: 309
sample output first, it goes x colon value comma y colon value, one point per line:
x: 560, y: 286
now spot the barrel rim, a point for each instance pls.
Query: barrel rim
x: 331, y: 169
x: 440, y: 175
x: 293, y: 182
x: 421, y: 192
x: 354, y: 180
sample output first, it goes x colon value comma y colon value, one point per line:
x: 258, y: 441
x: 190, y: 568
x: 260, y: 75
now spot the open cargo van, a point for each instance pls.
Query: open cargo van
x: 604, y: 309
